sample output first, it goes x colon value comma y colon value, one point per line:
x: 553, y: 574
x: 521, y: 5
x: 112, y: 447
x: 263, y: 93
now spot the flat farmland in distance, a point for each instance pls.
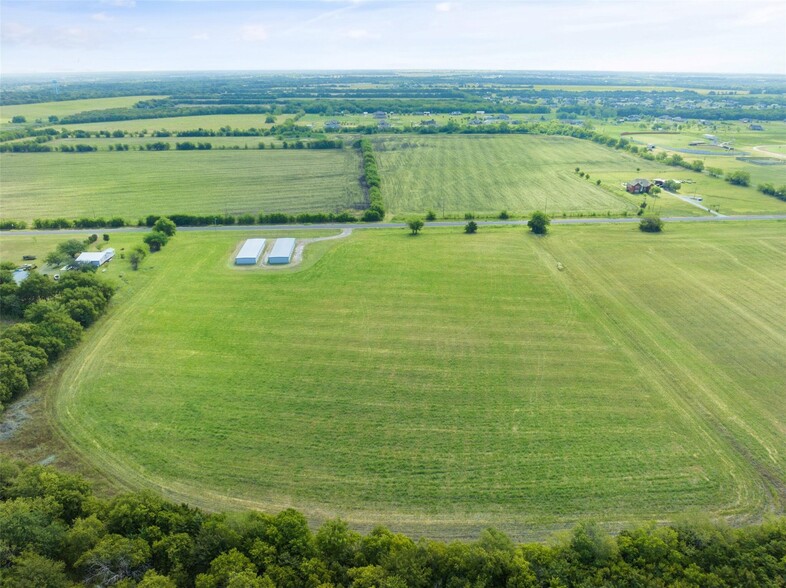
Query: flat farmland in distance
x: 487, y: 174
x: 183, y: 123
x: 448, y: 382
x: 134, y: 184
x: 43, y: 110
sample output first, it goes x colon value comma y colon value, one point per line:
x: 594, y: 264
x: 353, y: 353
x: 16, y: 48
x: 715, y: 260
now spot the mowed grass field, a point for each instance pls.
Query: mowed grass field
x: 134, y: 184
x: 447, y: 382
x: 486, y: 174
x: 43, y: 110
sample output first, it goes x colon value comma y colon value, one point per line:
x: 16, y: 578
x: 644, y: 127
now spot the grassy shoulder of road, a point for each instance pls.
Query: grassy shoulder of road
x: 447, y: 382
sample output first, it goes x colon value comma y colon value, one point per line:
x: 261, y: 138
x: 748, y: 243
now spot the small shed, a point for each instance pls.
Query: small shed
x: 95, y: 258
x: 282, y: 251
x: 250, y: 252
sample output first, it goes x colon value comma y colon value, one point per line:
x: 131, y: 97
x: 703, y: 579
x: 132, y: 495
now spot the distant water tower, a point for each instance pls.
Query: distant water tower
x: 55, y: 88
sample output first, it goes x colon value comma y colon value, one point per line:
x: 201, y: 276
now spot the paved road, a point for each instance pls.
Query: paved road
x: 337, y: 226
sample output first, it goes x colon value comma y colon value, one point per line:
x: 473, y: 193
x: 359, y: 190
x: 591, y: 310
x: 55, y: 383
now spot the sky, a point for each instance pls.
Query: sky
x: 716, y: 36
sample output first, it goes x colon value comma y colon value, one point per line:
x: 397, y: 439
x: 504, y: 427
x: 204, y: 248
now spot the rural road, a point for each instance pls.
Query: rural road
x: 761, y: 149
x: 691, y: 200
x: 342, y: 226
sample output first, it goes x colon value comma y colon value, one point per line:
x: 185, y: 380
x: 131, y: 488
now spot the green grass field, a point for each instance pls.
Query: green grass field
x: 517, y: 173
x: 42, y: 110
x: 133, y: 184
x: 444, y: 383
x: 183, y: 123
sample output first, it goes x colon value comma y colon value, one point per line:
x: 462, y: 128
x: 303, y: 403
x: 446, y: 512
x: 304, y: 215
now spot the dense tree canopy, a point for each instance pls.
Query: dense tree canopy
x: 55, y: 532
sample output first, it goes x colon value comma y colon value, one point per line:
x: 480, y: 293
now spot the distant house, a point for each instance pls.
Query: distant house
x: 428, y: 123
x: 659, y: 182
x: 384, y: 125
x: 638, y: 186
x: 756, y: 127
x: 380, y: 114
x: 332, y: 125
x: 95, y: 258
x: 476, y: 121
x: 481, y: 112
x: 456, y: 113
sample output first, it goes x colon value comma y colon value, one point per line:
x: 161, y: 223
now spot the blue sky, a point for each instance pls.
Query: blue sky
x: 733, y: 36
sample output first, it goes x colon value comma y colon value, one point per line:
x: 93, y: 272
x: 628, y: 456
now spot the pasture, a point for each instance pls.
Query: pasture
x: 43, y: 110
x: 485, y: 174
x: 448, y: 382
x: 182, y: 123
x: 137, y: 183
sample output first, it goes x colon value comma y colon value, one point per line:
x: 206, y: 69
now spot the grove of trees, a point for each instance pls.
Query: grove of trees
x: 55, y: 533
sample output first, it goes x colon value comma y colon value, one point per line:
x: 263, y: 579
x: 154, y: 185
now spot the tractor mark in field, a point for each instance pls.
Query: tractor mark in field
x: 662, y: 363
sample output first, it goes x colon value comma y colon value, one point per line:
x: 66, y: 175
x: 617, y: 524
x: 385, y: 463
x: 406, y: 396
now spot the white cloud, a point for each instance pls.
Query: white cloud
x: 253, y: 33
x: 120, y: 3
x: 14, y: 32
x: 101, y: 17
x: 443, y: 7
x: 71, y: 37
x: 360, y: 34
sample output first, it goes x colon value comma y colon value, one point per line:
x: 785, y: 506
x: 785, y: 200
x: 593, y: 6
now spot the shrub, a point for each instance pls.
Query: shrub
x: 471, y: 227
x: 372, y: 215
x: 539, y: 223
x: 431, y: 215
x: 651, y: 224
x: 504, y: 215
x: 739, y: 178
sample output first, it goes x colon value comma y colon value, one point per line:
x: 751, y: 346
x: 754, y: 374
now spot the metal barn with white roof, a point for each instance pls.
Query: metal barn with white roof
x: 250, y: 252
x: 96, y: 258
x: 282, y: 251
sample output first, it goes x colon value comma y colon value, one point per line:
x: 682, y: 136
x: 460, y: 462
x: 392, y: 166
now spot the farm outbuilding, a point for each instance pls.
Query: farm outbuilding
x: 95, y: 258
x: 282, y: 251
x: 250, y: 252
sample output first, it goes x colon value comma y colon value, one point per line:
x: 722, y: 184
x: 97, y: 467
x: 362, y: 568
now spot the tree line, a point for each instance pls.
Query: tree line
x: 371, y: 183
x: 57, y: 533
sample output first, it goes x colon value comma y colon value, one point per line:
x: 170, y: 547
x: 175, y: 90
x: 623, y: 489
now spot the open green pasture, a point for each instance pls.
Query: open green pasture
x: 43, y: 110
x: 134, y: 184
x: 519, y: 173
x: 103, y: 144
x: 173, y: 124
x: 446, y: 382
